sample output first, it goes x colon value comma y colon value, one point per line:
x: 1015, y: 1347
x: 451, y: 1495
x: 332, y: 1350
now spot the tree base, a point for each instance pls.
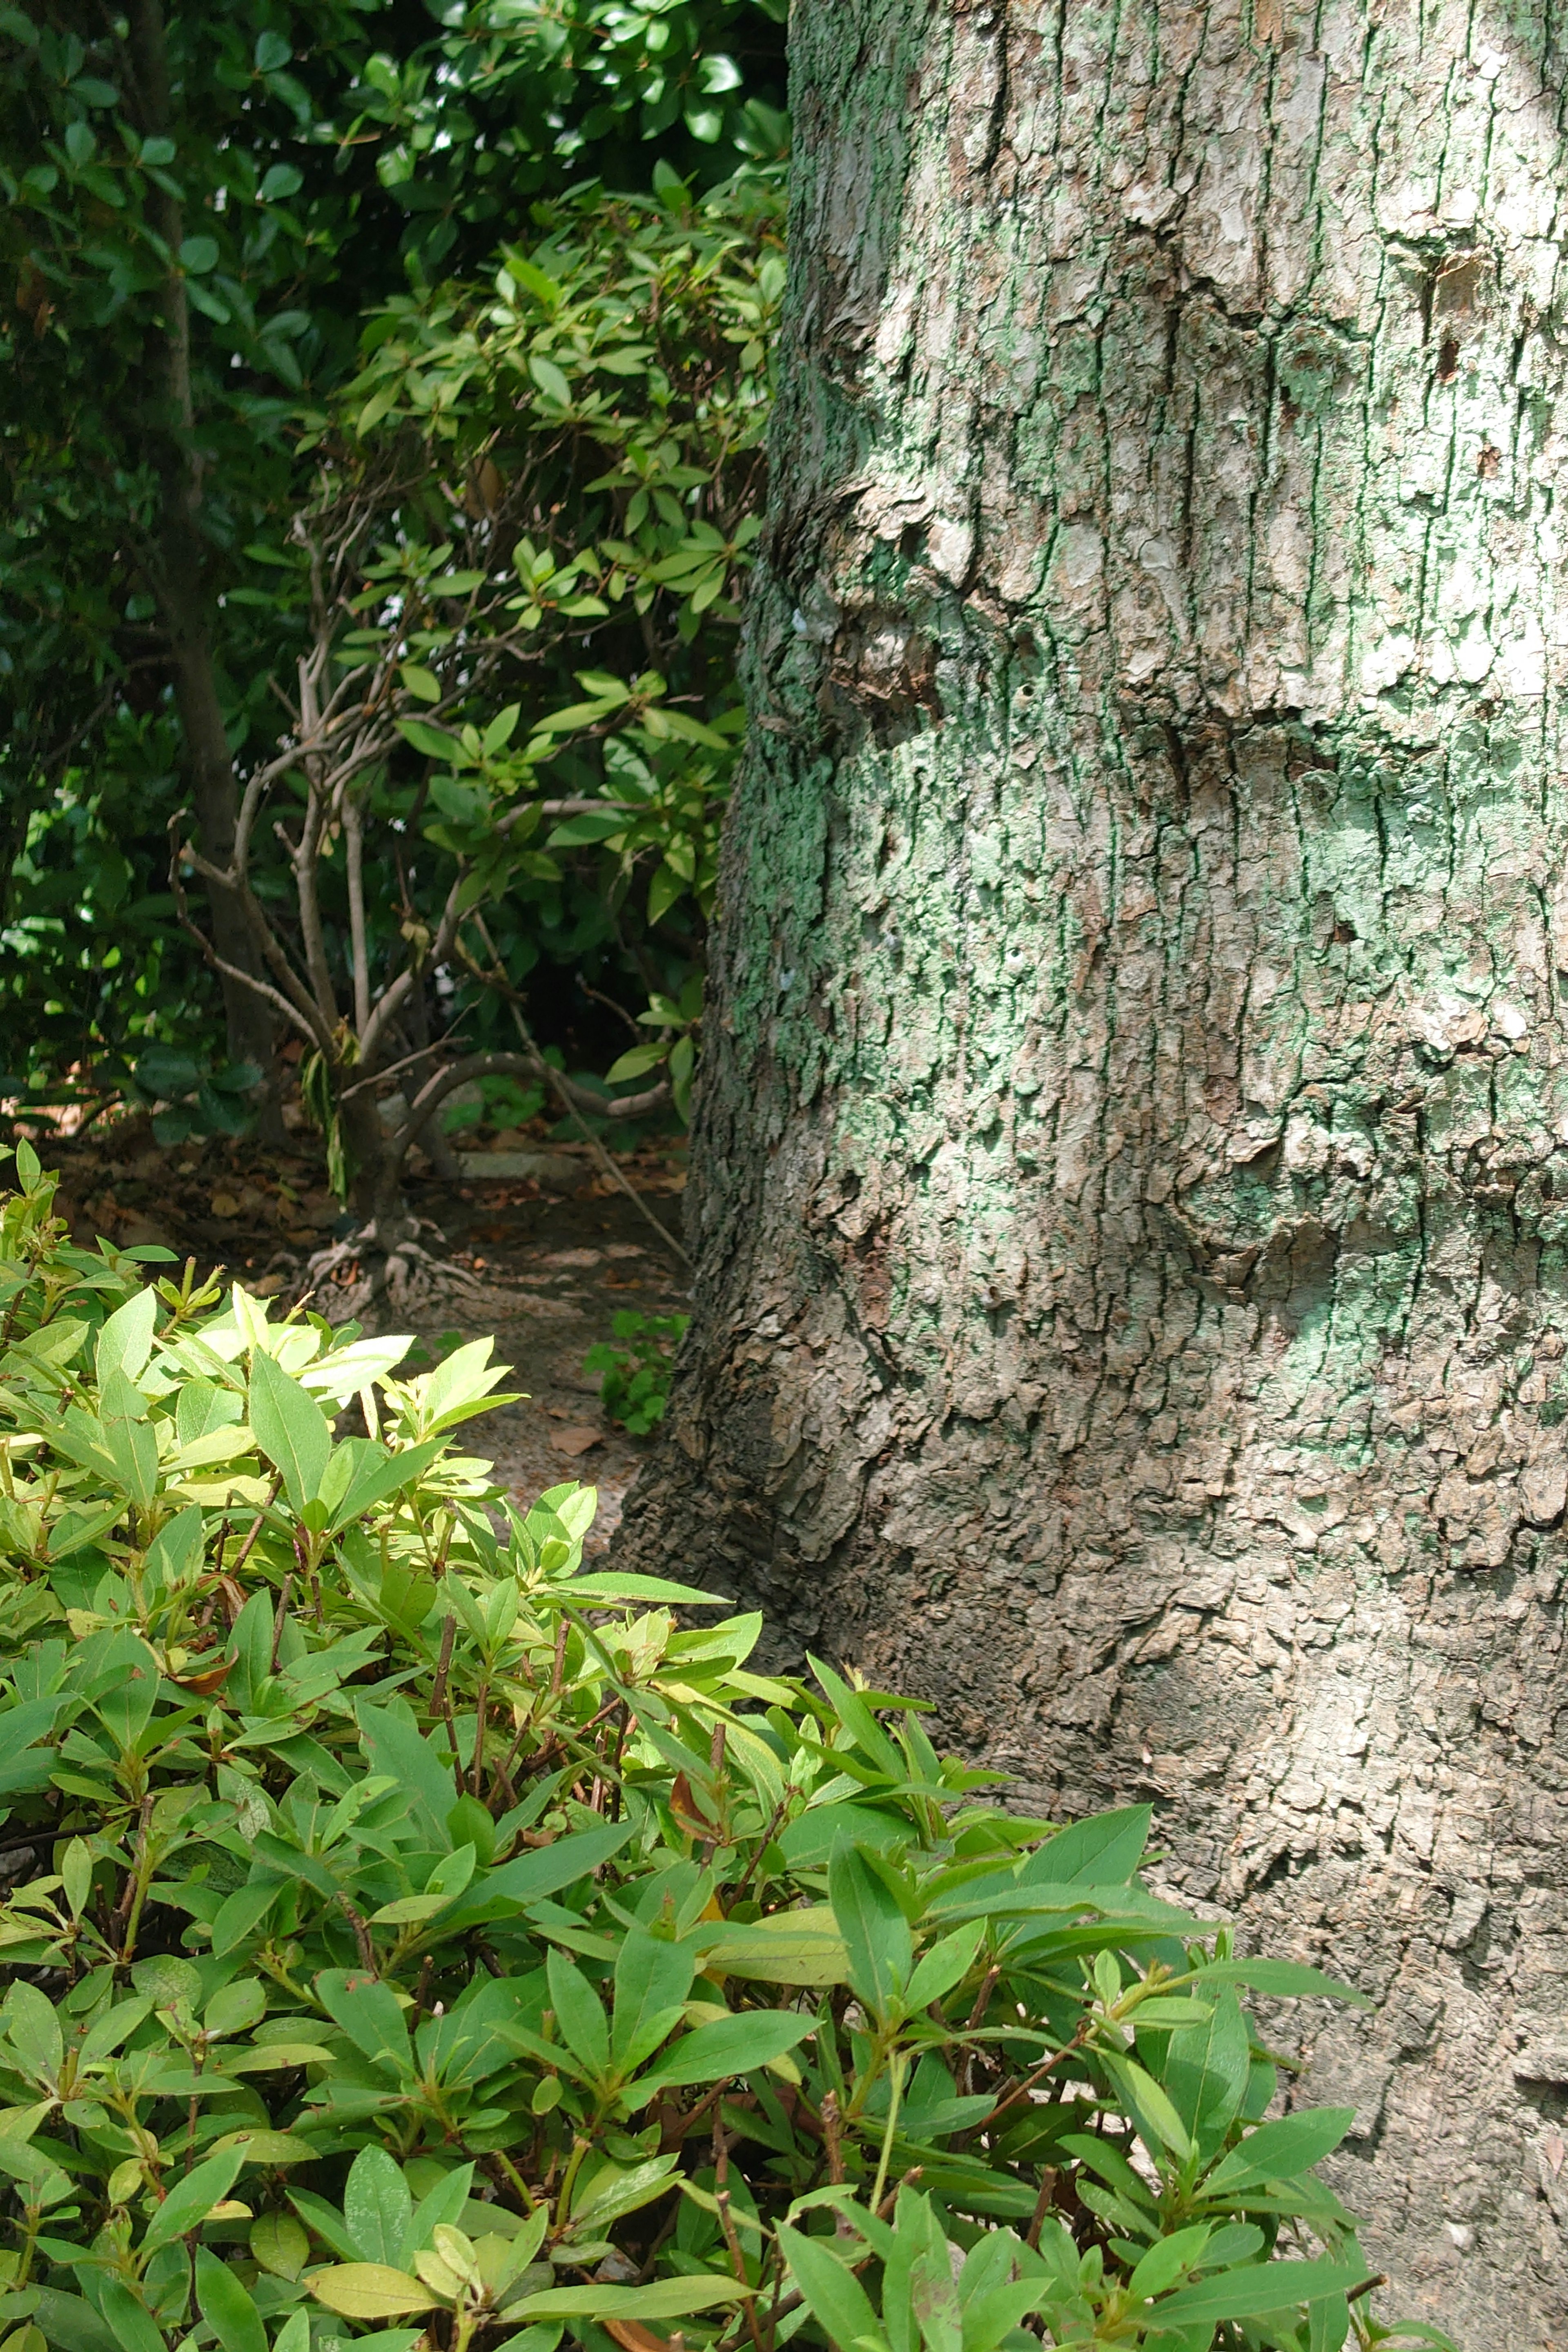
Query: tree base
x: 386, y: 1274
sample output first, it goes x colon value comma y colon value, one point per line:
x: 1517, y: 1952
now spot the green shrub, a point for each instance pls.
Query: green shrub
x: 635, y: 1388
x: 419, y: 1940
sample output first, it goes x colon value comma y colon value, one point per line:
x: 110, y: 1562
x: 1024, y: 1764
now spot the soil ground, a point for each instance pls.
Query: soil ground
x: 558, y: 1265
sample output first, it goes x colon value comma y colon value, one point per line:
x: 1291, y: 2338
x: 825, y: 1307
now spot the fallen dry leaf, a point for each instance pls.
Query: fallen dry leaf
x: 224, y: 1204
x: 574, y: 1440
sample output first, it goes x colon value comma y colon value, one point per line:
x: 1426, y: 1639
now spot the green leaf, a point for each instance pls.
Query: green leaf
x: 368, y: 2012
x: 548, y: 379
x: 838, y: 2300
x: 663, y: 891
x: 370, y: 2291
x: 71, y: 2323
x: 1166, y: 2260
x: 1150, y: 2107
x: 1204, y: 2066
x: 280, y: 2244
x: 1281, y: 2150
x: 501, y: 1893
x: 378, y: 1474
x: 652, y: 1980
x: 945, y: 1965
x: 377, y: 2206
x: 420, y: 682
x: 1252, y: 2292
x: 579, y: 2013
x: 1284, y: 1980
x: 666, y: 2298
x: 226, y: 2307
x: 737, y: 2044
x: 129, y: 2320
x: 433, y: 741
x: 290, y: 1429
x: 793, y: 1948
x: 198, y: 255
x: 635, y: 1062
x: 125, y: 1342
x: 190, y: 2200
x: 1104, y: 1850
x: 875, y: 1931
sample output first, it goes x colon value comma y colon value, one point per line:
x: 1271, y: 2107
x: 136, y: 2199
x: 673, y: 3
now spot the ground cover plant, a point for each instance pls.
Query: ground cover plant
x: 416, y: 1939
x: 636, y: 1367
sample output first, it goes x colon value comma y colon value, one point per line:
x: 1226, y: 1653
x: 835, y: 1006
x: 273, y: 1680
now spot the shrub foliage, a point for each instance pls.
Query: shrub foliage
x: 416, y: 1937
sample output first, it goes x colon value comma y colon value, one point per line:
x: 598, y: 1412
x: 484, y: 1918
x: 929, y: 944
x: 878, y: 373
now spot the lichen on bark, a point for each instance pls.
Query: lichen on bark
x: 1132, y: 1184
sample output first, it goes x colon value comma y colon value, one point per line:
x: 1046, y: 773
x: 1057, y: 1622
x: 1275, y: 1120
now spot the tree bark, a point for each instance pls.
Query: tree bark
x: 1131, y: 1158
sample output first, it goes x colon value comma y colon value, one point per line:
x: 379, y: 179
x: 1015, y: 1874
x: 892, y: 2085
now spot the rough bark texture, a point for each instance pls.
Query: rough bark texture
x: 1133, y: 1152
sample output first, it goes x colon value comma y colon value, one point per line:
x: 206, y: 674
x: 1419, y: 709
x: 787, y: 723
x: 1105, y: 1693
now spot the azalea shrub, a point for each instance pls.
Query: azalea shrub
x: 416, y: 1937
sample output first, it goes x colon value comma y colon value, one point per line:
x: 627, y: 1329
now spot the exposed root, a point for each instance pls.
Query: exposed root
x: 385, y: 1272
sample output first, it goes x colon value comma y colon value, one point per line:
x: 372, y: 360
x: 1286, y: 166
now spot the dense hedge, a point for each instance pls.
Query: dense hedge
x: 414, y: 1935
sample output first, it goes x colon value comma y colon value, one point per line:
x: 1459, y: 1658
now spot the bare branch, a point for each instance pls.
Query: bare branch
x: 354, y: 838
x: 261, y: 988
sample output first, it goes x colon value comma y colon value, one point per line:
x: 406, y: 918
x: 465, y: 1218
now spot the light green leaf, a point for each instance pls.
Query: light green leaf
x: 550, y: 379
x: 191, y: 2200
x: 125, y: 1341
x: 1280, y: 2150
x: 792, y: 1947
x: 730, y: 2045
x: 280, y: 2244
x: 370, y: 2291
x: 290, y: 1429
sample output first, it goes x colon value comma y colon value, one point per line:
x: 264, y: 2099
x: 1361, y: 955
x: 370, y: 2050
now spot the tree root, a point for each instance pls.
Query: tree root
x: 386, y: 1274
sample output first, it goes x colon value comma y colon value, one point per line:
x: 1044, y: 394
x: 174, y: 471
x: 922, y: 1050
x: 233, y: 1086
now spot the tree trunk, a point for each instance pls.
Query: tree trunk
x: 185, y: 601
x: 1130, y: 1166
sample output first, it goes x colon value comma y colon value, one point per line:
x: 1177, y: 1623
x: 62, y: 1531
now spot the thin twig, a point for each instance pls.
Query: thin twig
x: 281, y: 1619
x: 257, y: 1525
